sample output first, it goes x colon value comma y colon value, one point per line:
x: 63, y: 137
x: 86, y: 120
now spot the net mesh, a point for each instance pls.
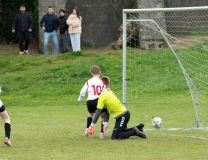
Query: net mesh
x: 169, y: 84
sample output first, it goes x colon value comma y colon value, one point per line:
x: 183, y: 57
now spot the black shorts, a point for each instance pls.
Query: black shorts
x: 92, y: 106
x: 120, y: 125
x: 2, y: 109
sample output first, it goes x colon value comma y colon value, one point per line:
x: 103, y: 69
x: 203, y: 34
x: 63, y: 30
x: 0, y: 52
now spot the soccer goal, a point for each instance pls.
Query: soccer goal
x: 165, y: 64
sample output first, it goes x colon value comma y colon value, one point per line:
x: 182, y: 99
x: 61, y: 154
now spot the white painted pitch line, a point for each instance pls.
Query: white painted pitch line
x: 176, y: 129
x: 194, y: 137
x: 183, y: 129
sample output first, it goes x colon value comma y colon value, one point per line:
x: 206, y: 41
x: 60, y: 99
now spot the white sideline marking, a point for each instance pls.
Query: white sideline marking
x: 184, y: 129
x: 195, y: 137
x: 176, y: 129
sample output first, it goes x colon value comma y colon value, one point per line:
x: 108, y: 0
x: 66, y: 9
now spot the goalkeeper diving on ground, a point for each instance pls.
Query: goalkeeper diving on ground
x: 109, y: 100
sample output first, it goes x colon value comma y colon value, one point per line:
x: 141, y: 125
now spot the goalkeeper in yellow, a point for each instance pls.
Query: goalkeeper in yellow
x: 115, y: 108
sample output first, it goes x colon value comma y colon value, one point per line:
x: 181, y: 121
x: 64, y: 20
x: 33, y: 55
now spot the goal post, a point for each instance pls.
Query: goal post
x: 150, y: 36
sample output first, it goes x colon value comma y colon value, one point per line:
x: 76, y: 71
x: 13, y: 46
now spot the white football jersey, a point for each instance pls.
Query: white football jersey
x: 94, y: 87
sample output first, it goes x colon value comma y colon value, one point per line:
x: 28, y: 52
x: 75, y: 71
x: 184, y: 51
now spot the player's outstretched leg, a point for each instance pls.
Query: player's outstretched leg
x: 7, y: 123
x: 139, y: 133
x: 128, y: 132
x: 7, y: 142
x: 7, y: 127
x: 89, y: 121
x: 140, y: 127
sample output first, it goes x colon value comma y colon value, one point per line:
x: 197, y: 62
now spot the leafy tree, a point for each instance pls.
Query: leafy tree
x: 8, y: 9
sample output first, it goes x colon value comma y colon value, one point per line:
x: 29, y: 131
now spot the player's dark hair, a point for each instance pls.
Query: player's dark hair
x: 106, y: 80
x: 22, y: 6
x: 62, y: 10
x: 78, y: 15
x: 95, y: 70
x: 50, y: 7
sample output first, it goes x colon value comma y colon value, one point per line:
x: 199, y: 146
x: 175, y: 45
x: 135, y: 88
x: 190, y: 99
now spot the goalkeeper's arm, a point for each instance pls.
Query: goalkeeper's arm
x: 94, y: 121
x: 96, y: 116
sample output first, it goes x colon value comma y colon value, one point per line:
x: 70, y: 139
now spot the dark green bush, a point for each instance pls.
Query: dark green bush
x: 8, y: 9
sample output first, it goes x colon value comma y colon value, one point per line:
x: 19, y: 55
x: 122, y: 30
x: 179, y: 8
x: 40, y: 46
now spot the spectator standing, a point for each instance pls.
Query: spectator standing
x: 23, y: 24
x: 74, y: 21
x: 48, y: 24
x: 63, y: 31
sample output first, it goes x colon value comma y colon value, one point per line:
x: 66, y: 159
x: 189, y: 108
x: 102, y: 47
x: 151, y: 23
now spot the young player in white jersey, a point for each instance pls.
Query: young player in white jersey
x: 94, y: 87
x: 7, y: 123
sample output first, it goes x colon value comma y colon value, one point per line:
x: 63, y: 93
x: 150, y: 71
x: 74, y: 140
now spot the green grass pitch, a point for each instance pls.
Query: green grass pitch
x: 40, y: 93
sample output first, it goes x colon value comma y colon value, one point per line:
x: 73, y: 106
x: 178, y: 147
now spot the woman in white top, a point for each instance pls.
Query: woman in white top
x: 74, y: 21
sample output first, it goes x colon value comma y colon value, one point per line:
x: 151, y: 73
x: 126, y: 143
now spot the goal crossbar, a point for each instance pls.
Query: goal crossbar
x: 179, y: 9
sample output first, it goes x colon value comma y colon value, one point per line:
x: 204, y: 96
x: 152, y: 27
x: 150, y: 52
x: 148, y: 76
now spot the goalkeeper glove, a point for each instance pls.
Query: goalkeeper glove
x: 91, y: 130
x: 80, y: 98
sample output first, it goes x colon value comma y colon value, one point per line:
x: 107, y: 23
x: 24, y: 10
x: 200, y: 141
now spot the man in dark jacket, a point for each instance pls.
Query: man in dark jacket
x: 49, y: 28
x: 23, y: 24
x: 63, y: 31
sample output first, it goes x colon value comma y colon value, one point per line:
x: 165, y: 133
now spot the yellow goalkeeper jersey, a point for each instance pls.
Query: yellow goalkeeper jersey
x: 109, y: 100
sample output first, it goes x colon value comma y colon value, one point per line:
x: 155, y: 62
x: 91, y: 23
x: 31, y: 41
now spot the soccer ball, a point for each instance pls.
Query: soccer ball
x: 157, y: 122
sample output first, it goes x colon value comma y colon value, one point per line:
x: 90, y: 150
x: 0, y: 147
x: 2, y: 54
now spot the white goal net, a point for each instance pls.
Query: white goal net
x: 165, y: 65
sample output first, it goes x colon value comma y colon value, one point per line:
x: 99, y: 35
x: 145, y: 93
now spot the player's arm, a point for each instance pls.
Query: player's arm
x: 82, y: 92
x: 14, y: 23
x: 98, y: 112
x: 56, y: 23
x: 96, y: 116
x: 42, y: 21
x: 100, y: 106
x: 1, y: 103
x: 30, y: 22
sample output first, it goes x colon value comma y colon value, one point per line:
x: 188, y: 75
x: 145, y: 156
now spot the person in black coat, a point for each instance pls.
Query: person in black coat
x: 63, y: 31
x: 23, y: 24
